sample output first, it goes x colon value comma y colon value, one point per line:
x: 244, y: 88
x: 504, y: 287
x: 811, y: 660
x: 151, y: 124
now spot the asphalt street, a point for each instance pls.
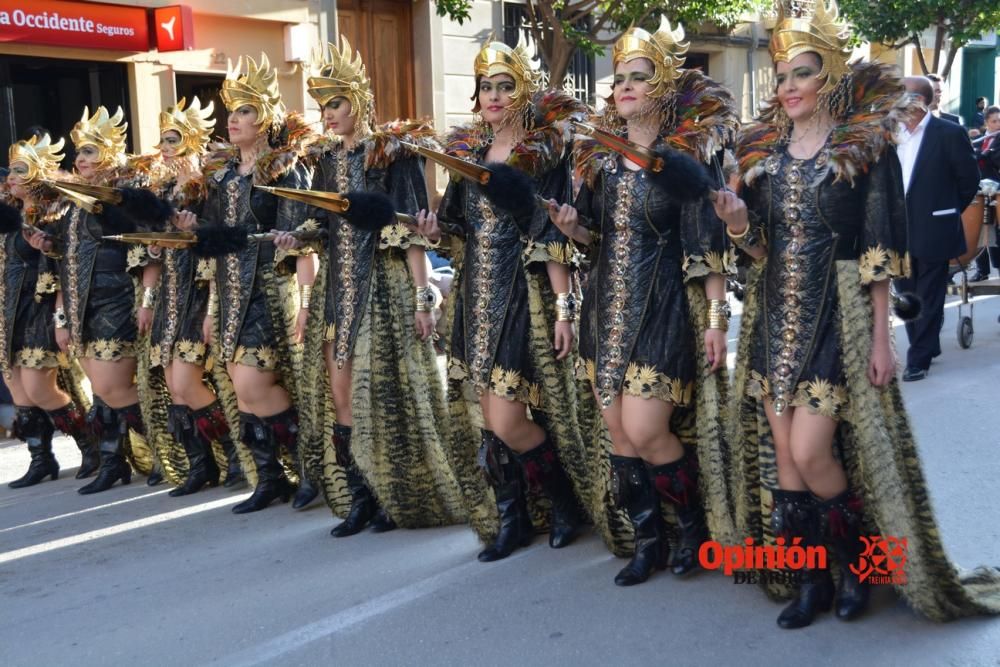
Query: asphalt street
x: 132, y: 576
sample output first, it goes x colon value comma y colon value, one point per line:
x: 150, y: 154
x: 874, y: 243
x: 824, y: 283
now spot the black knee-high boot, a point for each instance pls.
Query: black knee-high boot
x: 285, y: 426
x: 840, y: 521
x: 544, y: 472
x: 363, y: 505
x: 130, y: 417
x: 794, y: 515
x: 633, y: 491
x: 677, y: 483
x: 211, y: 425
x: 112, y: 432
x: 271, y: 481
x: 202, y: 468
x: 71, y: 421
x: 504, y: 472
x: 34, y: 427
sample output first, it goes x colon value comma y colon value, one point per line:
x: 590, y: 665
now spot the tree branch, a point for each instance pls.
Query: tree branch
x: 920, y: 53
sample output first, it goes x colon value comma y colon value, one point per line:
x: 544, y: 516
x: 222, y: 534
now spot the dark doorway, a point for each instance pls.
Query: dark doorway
x: 206, y: 88
x: 52, y: 93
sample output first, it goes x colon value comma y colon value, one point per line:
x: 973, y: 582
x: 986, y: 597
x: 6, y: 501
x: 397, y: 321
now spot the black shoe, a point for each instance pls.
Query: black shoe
x: 677, y: 483
x: 363, y: 504
x: 271, y: 481
x: 632, y: 490
x: 841, y: 524
x: 795, y: 517
x: 202, y: 468
x: 35, y: 428
x: 305, y: 494
x: 914, y: 374
x: 210, y: 425
x: 73, y: 423
x: 544, y: 472
x: 155, y: 476
x: 505, y: 474
x: 382, y: 522
x: 111, y: 447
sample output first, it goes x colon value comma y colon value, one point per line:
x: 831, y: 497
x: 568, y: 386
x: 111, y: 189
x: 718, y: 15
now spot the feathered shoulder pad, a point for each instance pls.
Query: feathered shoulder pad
x: 877, y: 106
x: 544, y: 144
x: 295, y: 137
x: 701, y: 119
x: 384, y: 146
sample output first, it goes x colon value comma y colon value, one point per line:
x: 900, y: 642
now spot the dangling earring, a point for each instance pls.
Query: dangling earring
x: 483, y: 131
x: 784, y: 125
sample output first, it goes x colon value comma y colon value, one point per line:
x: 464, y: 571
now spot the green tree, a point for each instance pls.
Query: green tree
x: 897, y: 23
x: 560, y: 27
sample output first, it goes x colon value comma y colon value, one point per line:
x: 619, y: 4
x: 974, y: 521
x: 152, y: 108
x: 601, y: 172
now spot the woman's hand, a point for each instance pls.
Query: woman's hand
x: 563, y: 341
x: 882, y: 364
x: 423, y: 324
x: 286, y: 241
x: 427, y: 226
x: 40, y: 241
x: 206, y: 330
x: 144, y: 320
x: 715, y: 348
x: 732, y: 210
x: 62, y: 339
x: 185, y: 221
x: 564, y: 217
x: 300, y: 325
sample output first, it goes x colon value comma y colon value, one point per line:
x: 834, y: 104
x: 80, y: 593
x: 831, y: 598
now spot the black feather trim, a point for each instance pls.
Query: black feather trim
x: 10, y: 219
x: 143, y: 205
x: 215, y: 240
x: 116, y: 220
x: 370, y: 211
x: 683, y: 178
x: 511, y: 190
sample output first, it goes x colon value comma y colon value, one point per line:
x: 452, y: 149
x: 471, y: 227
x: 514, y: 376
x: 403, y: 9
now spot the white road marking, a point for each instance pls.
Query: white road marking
x: 84, y: 511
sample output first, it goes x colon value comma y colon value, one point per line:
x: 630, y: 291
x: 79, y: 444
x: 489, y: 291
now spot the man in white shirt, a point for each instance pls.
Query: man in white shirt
x: 940, y: 178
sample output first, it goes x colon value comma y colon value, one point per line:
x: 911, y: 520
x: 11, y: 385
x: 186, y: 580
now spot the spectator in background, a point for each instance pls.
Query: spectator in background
x: 940, y: 178
x: 987, y: 150
x: 979, y: 118
x: 936, y: 102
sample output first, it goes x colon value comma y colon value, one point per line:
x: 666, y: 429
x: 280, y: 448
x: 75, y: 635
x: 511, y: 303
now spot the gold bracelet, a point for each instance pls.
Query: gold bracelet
x: 425, y: 299
x: 718, y: 314
x: 148, y: 297
x: 738, y: 238
x: 565, y: 307
x: 305, y: 296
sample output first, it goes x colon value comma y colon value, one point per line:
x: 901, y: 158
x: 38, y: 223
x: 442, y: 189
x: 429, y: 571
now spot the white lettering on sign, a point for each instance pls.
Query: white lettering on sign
x: 53, y: 21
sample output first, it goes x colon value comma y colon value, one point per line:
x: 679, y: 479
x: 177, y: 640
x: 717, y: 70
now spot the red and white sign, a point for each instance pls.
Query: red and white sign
x: 76, y: 24
x: 174, y: 28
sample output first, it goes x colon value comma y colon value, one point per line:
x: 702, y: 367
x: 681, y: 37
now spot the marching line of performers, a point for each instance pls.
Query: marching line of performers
x: 285, y: 340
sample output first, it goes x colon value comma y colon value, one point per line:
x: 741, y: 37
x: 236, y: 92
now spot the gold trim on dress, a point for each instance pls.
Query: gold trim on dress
x: 36, y: 357
x: 511, y: 385
x: 108, y: 349
x: 262, y: 358
x: 646, y: 382
x: 877, y: 263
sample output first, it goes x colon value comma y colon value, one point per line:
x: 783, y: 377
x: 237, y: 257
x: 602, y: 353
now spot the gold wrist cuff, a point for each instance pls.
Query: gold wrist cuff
x: 59, y: 316
x: 425, y: 299
x: 305, y: 296
x: 565, y: 307
x: 718, y: 314
x: 148, y: 297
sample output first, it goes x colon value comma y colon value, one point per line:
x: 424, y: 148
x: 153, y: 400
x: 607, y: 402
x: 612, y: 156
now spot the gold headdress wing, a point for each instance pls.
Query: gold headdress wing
x: 258, y: 88
x: 498, y: 58
x: 665, y: 48
x: 106, y: 133
x: 341, y: 73
x: 40, y: 155
x: 193, y: 123
x: 823, y: 32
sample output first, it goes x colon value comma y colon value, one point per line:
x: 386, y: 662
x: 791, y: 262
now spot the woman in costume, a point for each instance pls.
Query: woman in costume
x: 371, y: 314
x: 655, y: 300
x: 95, y: 314
x: 255, y: 306
x: 822, y: 443
x: 511, y: 308
x: 29, y: 354
x: 195, y: 417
